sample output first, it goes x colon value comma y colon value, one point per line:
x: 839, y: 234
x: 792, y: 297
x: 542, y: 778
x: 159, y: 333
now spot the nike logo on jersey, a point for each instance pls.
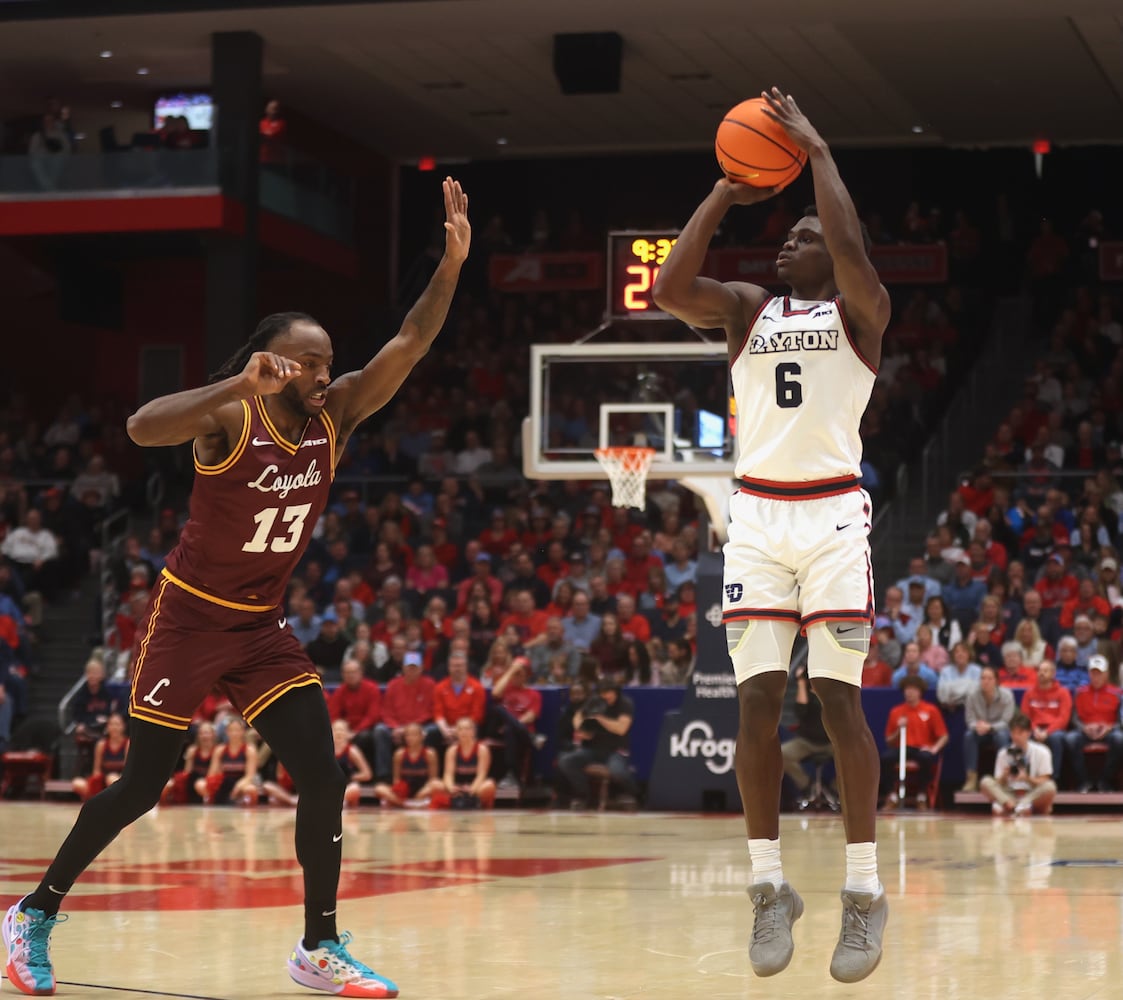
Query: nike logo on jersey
x: 335, y: 840
x: 282, y: 623
x: 839, y: 527
x: 843, y: 631
x: 258, y: 443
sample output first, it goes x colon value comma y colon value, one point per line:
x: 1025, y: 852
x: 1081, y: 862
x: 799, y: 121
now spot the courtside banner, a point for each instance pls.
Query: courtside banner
x: 693, y: 768
x: 546, y: 272
x: 898, y: 264
x: 1111, y: 262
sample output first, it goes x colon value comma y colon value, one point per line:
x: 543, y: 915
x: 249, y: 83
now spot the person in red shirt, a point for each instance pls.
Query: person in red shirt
x: 481, y: 572
x: 615, y: 582
x: 1048, y: 706
x: 623, y: 529
x: 457, y: 697
x: 499, y: 536
x: 1086, y: 602
x: 995, y: 552
x: 358, y: 702
x: 515, y: 711
x: 273, y: 129
x: 555, y: 567
x: 925, y: 736
x: 633, y: 626
x: 538, y: 534
x: 1014, y: 673
x: 875, y: 671
x: 446, y: 551
x: 408, y: 698
x: 978, y: 493
x: 436, y: 628
x: 1057, y: 585
x: 1097, y: 721
x: 526, y: 619
x: 640, y: 561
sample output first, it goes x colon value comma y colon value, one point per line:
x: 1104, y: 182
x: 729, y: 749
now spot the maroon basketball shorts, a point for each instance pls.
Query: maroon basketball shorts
x: 191, y: 645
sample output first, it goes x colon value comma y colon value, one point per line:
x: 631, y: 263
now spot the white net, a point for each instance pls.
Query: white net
x: 627, y: 471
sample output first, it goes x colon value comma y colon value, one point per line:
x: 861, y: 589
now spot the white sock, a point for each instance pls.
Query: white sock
x: 861, y: 868
x: 765, y: 856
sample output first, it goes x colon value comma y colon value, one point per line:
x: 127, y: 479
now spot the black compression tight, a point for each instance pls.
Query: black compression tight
x: 298, y: 731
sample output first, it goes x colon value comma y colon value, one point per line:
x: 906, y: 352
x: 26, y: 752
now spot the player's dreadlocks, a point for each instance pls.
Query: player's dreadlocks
x: 266, y: 330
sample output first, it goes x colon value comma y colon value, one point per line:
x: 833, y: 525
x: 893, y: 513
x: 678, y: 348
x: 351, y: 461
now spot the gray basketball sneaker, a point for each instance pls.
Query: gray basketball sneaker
x: 774, y: 912
x: 859, y: 943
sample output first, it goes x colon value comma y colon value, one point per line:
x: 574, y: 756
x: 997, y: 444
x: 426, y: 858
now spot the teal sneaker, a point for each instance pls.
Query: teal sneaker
x: 331, y: 968
x: 27, y: 937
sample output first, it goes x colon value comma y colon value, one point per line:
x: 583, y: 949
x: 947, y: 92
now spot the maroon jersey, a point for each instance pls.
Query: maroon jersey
x: 252, y: 515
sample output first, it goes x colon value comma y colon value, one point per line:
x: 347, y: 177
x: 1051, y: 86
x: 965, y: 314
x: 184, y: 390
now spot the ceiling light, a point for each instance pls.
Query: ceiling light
x: 116, y: 104
x: 106, y: 54
x: 143, y: 71
x: 917, y: 129
x: 501, y: 141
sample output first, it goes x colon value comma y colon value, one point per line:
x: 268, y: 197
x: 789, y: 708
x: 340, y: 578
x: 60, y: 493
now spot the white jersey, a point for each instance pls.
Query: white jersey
x: 801, y: 387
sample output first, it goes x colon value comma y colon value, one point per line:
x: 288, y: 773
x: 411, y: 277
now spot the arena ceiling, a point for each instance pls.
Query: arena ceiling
x: 471, y: 79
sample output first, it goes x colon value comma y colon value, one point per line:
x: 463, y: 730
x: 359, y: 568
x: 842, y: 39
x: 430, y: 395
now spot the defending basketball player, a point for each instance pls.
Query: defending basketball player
x: 803, y: 367
x: 267, y: 432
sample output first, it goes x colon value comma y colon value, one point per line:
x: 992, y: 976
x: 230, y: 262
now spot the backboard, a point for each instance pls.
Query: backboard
x: 673, y: 397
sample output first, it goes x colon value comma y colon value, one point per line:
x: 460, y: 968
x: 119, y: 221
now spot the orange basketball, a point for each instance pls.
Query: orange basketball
x: 753, y: 149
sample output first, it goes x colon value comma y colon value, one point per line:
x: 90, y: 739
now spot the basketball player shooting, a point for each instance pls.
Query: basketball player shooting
x: 268, y: 432
x: 798, y: 557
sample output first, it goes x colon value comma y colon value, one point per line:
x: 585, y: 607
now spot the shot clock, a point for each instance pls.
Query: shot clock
x: 634, y: 259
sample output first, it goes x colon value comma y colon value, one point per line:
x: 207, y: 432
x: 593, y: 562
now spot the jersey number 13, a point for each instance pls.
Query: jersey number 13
x: 287, y: 537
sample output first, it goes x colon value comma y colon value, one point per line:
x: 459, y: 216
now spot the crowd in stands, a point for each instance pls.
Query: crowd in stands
x: 1018, y: 589
x: 439, y: 564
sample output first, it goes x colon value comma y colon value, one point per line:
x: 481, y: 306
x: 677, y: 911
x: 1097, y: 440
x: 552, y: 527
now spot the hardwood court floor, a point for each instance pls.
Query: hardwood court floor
x: 458, y: 906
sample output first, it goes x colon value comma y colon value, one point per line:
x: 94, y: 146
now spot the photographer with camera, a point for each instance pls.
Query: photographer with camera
x: 1023, y: 774
x: 600, y: 732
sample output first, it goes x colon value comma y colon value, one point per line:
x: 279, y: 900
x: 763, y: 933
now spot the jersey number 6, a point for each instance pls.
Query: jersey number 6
x: 789, y: 393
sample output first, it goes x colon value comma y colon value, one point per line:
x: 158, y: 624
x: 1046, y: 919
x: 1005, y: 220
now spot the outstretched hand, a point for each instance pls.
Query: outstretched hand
x: 737, y: 193
x: 266, y: 374
x: 458, y: 231
x: 783, y: 110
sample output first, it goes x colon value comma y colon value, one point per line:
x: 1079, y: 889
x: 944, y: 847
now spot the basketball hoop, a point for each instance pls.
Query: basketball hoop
x: 627, y: 471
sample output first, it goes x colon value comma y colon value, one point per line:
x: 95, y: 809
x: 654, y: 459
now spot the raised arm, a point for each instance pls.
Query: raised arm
x: 356, y: 395
x: 704, y: 302
x: 865, y: 298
